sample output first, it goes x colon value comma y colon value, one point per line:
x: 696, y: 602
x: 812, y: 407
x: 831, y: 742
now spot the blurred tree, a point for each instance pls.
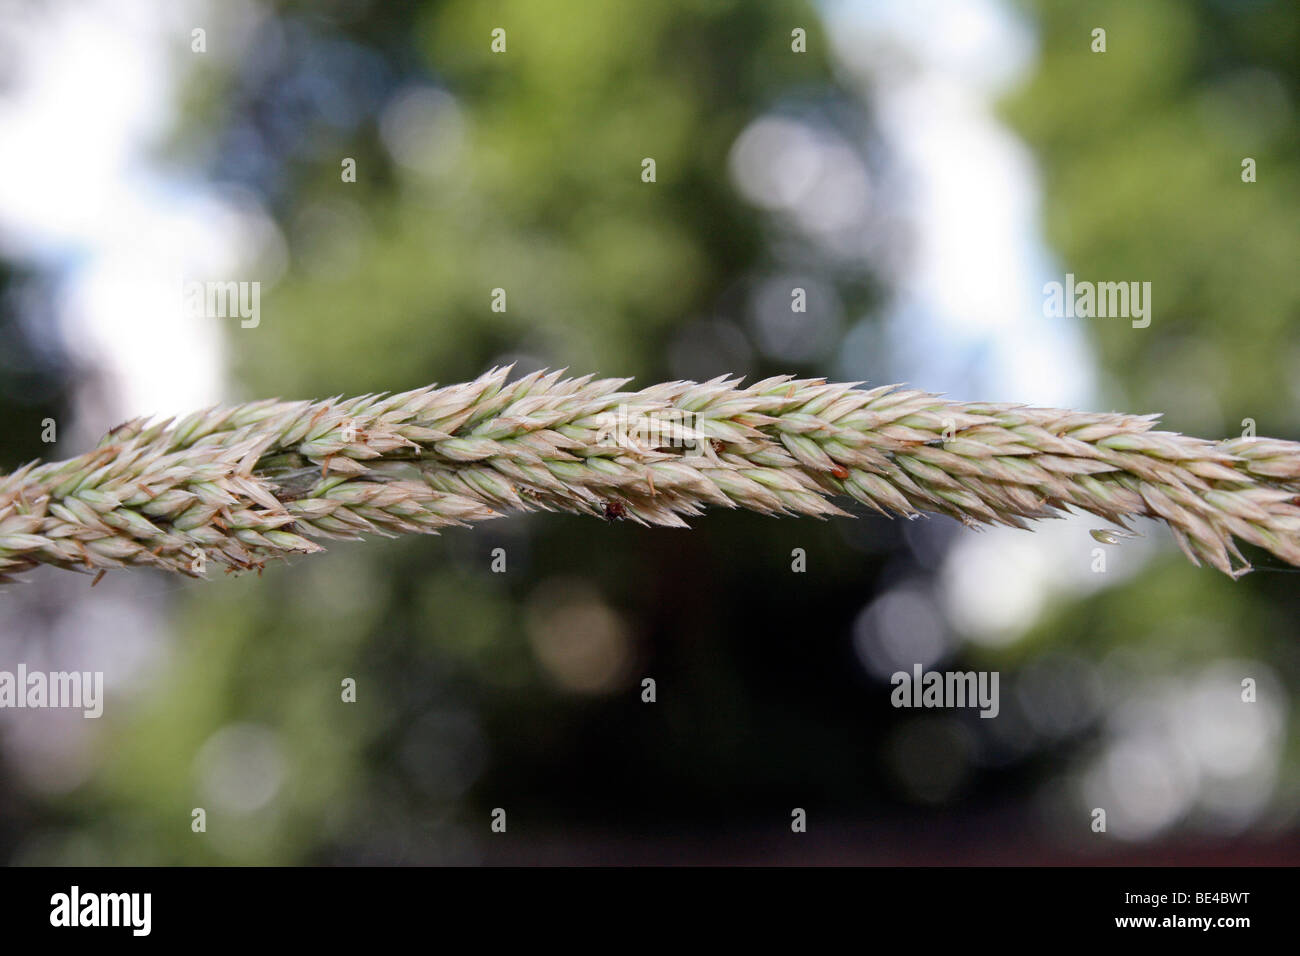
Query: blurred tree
x: 34, y: 371
x: 1142, y: 149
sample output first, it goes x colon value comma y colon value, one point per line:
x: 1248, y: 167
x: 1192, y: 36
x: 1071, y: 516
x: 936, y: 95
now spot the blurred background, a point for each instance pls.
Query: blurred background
x: 920, y: 169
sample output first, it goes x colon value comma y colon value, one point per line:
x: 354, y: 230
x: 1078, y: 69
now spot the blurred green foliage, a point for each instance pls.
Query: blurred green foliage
x: 1142, y: 149
x: 540, y: 194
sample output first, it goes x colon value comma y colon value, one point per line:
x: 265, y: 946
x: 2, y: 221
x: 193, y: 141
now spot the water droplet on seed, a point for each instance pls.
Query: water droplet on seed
x: 1111, y: 535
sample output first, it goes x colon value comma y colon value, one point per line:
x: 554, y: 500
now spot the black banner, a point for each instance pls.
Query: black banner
x: 981, y: 905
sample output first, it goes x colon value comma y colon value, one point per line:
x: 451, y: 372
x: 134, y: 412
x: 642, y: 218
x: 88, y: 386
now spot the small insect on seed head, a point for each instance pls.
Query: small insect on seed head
x: 615, y: 509
x: 839, y: 471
